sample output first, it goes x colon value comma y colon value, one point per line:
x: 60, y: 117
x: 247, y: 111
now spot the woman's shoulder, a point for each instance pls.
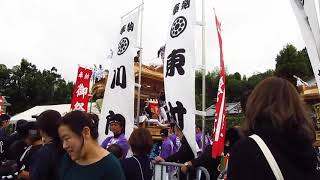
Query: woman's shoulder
x: 114, y: 169
x: 127, y: 162
x: 132, y: 161
x: 109, y: 159
x: 244, y: 147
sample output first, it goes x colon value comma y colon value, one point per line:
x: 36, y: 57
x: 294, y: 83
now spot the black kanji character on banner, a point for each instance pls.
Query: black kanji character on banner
x: 130, y: 26
x: 176, y: 60
x: 302, y: 2
x: 176, y: 8
x: 123, y: 45
x: 180, y: 111
x: 123, y: 29
x: 116, y: 78
x: 318, y: 72
x: 178, y: 26
x: 185, y: 4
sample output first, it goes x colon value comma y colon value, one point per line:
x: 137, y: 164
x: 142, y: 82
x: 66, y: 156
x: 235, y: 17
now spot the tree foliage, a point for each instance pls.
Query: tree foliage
x: 25, y: 86
x: 291, y: 62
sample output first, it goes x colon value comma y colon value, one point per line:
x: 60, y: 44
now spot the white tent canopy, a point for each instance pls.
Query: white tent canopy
x: 61, y: 108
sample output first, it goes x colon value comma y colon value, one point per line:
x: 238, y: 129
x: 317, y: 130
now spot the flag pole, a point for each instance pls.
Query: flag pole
x: 203, y: 74
x: 91, y: 93
x: 132, y: 10
x: 140, y: 64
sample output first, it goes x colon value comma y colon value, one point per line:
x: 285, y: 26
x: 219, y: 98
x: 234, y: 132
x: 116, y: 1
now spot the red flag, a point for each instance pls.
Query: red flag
x: 1, y: 103
x: 220, y: 116
x: 81, y: 91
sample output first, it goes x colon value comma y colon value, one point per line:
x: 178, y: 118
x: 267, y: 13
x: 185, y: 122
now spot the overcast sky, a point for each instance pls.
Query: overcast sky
x: 65, y: 33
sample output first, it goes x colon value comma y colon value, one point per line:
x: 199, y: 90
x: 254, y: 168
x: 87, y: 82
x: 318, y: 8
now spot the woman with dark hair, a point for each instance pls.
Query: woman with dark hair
x: 85, y: 159
x: 280, y: 145
x: 138, y: 167
x: 45, y: 165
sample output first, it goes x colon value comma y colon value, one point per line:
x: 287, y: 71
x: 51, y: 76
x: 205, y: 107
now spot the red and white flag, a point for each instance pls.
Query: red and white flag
x: 220, y: 116
x: 1, y: 104
x: 81, y: 91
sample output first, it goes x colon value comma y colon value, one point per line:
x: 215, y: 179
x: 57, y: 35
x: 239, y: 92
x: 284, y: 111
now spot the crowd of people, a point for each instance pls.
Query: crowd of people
x: 274, y: 142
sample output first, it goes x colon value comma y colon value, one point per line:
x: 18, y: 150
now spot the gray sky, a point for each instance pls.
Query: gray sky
x: 65, y: 33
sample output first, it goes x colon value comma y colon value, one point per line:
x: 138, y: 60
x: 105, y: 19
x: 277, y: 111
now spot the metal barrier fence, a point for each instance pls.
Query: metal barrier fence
x: 175, y: 175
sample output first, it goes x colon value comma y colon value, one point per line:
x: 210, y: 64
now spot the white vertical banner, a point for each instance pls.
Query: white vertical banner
x: 311, y: 12
x: 179, y: 68
x: 119, y: 91
x: 309, y: 27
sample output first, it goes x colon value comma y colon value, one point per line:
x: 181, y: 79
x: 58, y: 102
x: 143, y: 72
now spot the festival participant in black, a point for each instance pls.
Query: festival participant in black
x: 17, y: 144
x: 4, y: 137
x: 31, y: 136
x: 85, y: 159
x: 48, y: 157
x: 207, y: 161
x: 138, y: 167
x: 4, y: 123
x: 20, y: 167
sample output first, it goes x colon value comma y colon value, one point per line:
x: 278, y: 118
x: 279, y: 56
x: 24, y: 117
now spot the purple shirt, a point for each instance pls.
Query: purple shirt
x: 173, y: 138
x: 198, y: 139
x: 121, y: 141
x: 166, y: 148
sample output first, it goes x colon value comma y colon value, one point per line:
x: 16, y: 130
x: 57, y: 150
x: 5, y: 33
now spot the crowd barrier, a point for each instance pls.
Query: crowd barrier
x: 171, y: 171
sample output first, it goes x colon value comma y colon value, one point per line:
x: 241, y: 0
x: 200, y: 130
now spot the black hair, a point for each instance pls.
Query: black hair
x: 19, y: 124
x: 4, y: 117
x: 48, y: 122
x: 30, y: 130
x: 232, y: 135
x: 164, y: 132
x: 172, y: 126
x: 77, y: 120
x: 116, y: 150
x: 200, y: 127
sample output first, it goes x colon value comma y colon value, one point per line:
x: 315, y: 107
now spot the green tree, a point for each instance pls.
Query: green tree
x: 257, y: 77
x: 4, y: 78
x: 212, y: 82
x: 244, y: 78
x: 291, y: 62
x: 237, y: 76
x: 27, y: 86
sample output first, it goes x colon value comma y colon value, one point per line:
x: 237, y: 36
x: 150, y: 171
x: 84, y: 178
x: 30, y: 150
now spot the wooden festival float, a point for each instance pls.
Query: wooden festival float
x: 151, y: 86
x: 311, y: 97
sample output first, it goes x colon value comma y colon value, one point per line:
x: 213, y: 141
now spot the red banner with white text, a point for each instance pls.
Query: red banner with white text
x: 81, y: 91
x: 220, y: 119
